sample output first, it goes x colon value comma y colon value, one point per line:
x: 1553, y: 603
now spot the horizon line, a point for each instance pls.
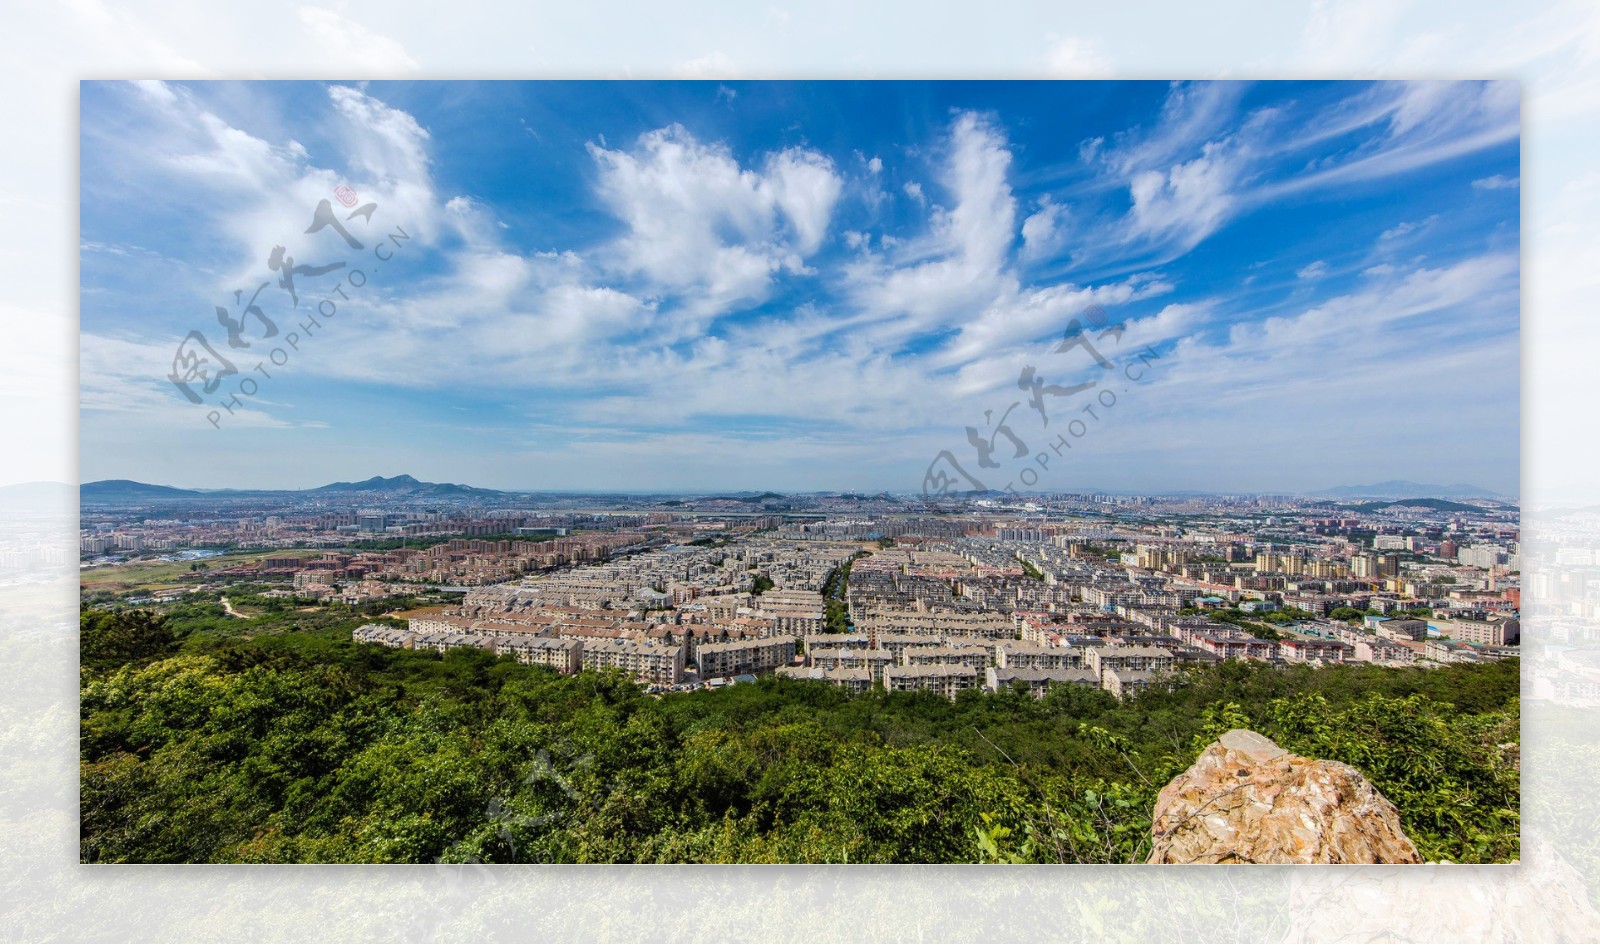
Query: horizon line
x: 1489, y: 493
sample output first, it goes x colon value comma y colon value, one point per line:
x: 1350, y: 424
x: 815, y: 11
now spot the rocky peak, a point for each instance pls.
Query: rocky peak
x: 1246, y: 800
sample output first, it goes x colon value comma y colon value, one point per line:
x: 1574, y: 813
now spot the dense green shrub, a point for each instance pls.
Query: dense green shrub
x: 301, y: 746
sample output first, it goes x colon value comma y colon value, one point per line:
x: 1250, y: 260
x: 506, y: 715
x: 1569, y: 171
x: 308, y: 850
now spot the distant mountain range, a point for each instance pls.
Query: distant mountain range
x: 409, y: 485
x: 121, y: 490
x: 117, y: 491
x: 746, y: 497
x: 1405, y: 489
x: 1438, y: 505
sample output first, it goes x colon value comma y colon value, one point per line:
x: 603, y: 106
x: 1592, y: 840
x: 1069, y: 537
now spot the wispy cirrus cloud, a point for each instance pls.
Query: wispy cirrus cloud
x: 832, y: 293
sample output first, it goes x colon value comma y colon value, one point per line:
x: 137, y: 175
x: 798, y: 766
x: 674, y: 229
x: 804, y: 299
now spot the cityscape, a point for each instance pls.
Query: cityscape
x: 582, y: 482
x: 802, y: 472
x: 857, y: 591
x: 1074, y: 611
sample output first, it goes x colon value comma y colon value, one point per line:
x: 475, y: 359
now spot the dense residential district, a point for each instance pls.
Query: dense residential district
x: 901, y: 592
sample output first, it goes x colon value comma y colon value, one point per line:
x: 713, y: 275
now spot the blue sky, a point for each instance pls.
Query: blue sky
x: 707, y: 286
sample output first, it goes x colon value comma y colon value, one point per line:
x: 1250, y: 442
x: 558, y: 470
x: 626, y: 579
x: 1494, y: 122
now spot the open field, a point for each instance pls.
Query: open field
x: 157, y: 575
x: 416, y: 612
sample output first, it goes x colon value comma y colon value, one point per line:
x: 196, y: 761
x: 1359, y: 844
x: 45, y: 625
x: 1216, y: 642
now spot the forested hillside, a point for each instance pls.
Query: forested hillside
x: 206, y: 746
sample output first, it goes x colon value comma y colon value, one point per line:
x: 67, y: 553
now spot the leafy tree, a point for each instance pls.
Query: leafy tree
x: 112, y: 638
x: 836, y: 614
x: 287, y: 742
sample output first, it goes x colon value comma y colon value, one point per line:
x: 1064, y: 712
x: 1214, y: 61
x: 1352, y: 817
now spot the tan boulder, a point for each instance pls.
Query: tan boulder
x: 1245, y: 800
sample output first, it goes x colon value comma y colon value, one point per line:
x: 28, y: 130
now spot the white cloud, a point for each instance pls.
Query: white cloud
x: 804, y: 186
x: 1021, y: 318
x: 259, y: 193
x: 1456, y: 325
x: 620, y: 331
x: 1344, y: 33
x: 1421, y: 124
x: 952, y: 272
x: 701, y: 225
x: 1042, y: 232
x: 1315, y: 270
x: 186, y: 139
x: 123, y: 42
x: 517, y: 307
x: 391, y: 143
x: 353, y: 47
x: 1186, y: 203
x: 713, y: 65
x: 1407, y: 228
x: 390, y: 149
x: 1076, y: 57
x: 564, y: 315
x: 1474, y: 291
x: 982, y: 223
x: 1205, y: 161
x: 1193, y: 115
x: 1497, y: 182
x: 1187, y: 174
x: 124, y: 382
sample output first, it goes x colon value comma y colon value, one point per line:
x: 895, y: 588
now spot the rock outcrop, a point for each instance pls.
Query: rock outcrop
x: 1245, y: 800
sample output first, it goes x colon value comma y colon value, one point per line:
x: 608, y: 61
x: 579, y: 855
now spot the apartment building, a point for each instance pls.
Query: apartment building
x: 658, y: 663
x: 1141, y: 658
x: 1037, y: 681
x: 1124, y: 683
x: 947, y: 681
x: 1449, y: 651
x: 953, y: 654
x: 1484, y: 632
x: 873, y: 661
x: 853, y: 681
x: 383, y: 635
x: 1378, y: 650
x: 896, y: 643
x: 1020, y: 654
x: 444, y: 642
x: 797, y: 612
x: 837, y: 641
x: 1300, y: 650
x: 940, y: 622
x: 1234, y: 646
x: 759, y: 655
x: 563, y: 656
x: 1400, y: 628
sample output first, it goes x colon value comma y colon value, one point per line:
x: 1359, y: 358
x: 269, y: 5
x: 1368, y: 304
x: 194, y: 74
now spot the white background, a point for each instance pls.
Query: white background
x: 45, y: 48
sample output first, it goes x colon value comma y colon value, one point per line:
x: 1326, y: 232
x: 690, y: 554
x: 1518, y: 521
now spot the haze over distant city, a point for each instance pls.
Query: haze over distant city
x: 703, y: 286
